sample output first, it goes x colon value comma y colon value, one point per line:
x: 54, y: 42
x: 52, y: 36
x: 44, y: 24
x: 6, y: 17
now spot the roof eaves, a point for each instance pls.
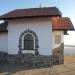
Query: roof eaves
x: 7, y: 18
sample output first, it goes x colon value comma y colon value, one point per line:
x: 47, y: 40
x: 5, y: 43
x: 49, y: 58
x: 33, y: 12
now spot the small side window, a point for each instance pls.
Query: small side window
x: 57, y: 39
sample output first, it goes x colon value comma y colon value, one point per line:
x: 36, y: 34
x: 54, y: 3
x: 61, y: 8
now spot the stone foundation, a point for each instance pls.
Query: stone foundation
x: 12, y: 59
x: 30, y: 60
x: 58, y: 55
x: 3, y: 57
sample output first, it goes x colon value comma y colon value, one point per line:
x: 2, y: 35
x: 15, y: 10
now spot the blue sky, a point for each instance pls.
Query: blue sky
x: 67, y: 7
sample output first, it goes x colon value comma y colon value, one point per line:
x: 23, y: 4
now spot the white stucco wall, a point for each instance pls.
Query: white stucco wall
x: 57, y: 32
x: 41, y: 26
x: 3, y: 41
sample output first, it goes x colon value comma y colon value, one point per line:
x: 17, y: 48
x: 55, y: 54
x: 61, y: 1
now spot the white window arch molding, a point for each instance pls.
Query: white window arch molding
x: 21, y: 40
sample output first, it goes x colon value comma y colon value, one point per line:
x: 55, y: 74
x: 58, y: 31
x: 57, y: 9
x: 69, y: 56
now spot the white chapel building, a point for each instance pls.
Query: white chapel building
x: 35, y: 35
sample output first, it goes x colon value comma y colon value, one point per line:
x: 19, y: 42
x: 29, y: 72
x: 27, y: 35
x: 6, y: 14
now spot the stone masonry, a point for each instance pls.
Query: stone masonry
x: 33, y: 60
x: 3, y: 57
x: 58, y: 54
x: 30, y: 60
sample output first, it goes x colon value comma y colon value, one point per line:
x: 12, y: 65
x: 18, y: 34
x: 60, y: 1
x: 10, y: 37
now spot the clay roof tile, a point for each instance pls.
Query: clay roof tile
x: 62, y: 23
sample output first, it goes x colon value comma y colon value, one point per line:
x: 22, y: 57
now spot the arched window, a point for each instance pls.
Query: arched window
x: 28, y: 42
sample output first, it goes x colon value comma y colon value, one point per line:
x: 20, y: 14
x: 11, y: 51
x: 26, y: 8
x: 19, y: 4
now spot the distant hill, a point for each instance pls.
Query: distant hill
x: 69, y: 45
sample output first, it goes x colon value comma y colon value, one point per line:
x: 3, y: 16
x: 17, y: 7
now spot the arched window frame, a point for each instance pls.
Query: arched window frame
x: 23, y: 41
x: 36, y: 46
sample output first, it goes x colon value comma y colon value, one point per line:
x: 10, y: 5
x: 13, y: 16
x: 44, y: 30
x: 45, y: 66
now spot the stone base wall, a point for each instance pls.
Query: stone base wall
x: 30, y: 60
x: 3, y: 57
x: 58, y: 55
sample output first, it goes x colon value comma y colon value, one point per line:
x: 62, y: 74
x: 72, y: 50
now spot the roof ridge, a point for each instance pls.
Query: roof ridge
x: 36, y: 8
x: 32, y: 12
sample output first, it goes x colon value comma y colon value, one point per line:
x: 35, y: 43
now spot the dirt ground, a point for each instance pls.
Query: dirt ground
x: 68, y: 68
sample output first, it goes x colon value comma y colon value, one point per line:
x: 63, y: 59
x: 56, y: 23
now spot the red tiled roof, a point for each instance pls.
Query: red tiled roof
x: 62, y: 23
x: 3, y: 27
x: 32, y: 12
